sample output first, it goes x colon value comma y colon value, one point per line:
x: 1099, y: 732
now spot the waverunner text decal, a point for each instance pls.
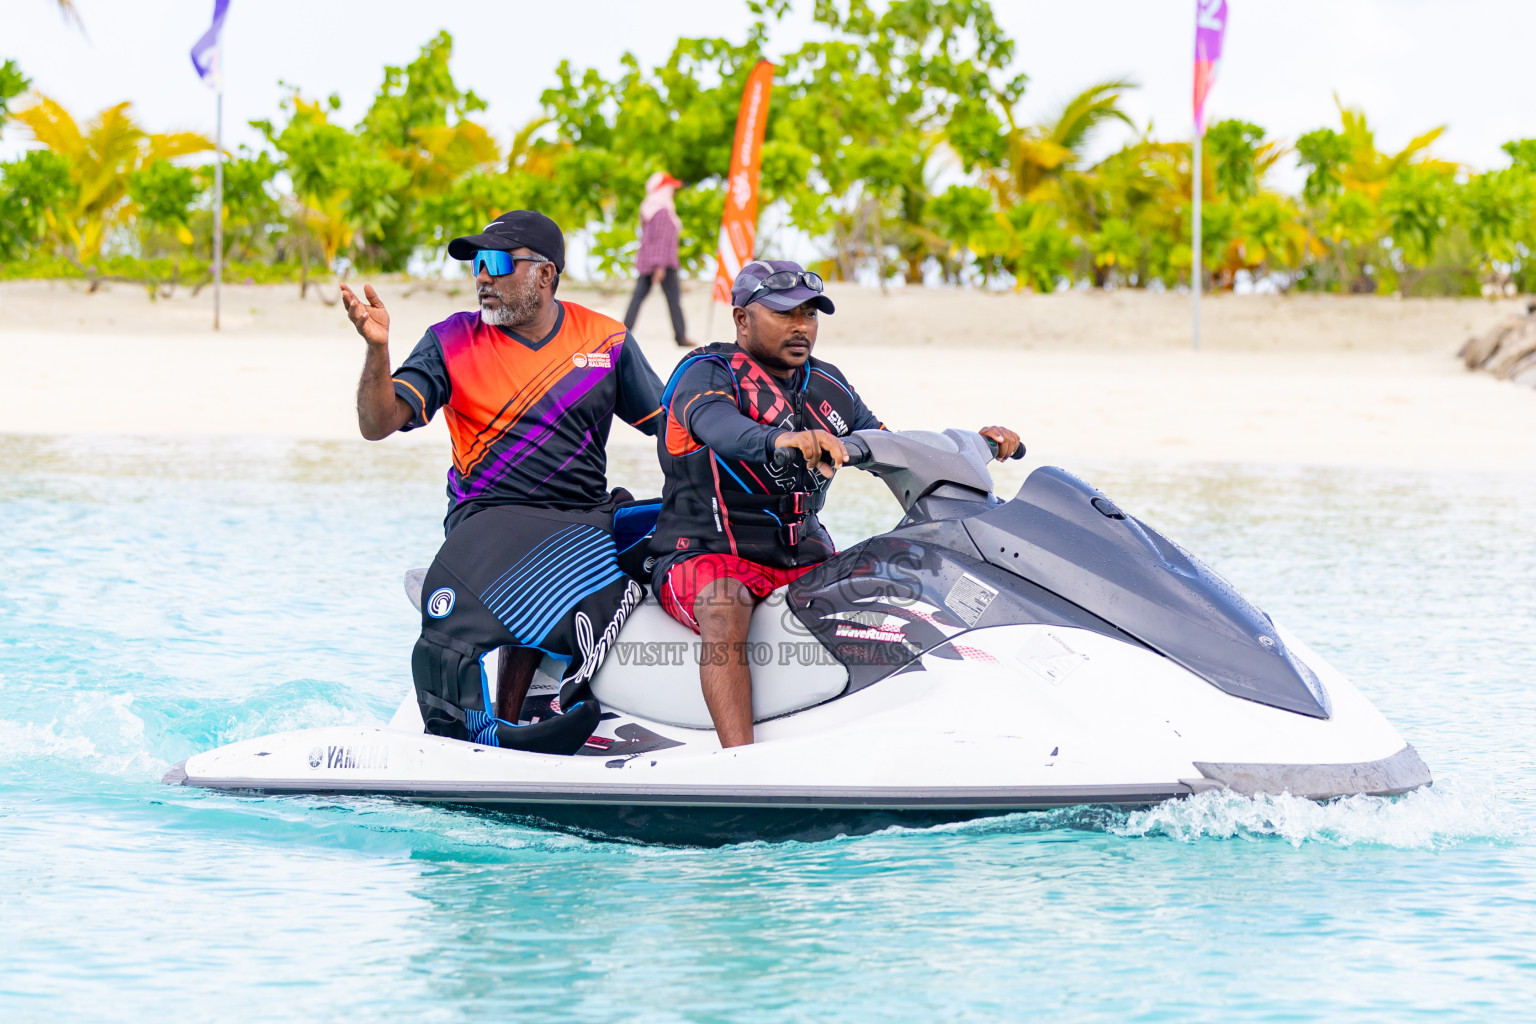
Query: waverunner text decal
x: 339, y: 755
x: 890, y: 634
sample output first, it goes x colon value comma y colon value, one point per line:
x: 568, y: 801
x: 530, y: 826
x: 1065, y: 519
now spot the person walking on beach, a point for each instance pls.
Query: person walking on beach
x: 656, y: 262
x: 529, y: 386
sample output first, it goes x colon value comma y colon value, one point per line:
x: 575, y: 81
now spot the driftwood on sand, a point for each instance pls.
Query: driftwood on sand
x: 1508, y: 350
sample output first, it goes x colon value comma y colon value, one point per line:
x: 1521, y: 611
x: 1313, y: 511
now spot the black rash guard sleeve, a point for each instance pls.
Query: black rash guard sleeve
x: 422, y: 380
x: 863, y: 419
x: 705, y: 403
x: 639, y: 388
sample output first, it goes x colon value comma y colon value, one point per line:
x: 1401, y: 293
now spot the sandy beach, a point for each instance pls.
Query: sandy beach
x: 1307, y: 379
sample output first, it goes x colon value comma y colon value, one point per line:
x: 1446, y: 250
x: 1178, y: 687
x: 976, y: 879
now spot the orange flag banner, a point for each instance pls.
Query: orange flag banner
x: 738, y: 224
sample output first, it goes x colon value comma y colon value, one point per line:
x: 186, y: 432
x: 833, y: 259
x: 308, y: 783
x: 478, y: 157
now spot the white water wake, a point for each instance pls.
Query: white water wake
x: 1451, y: 811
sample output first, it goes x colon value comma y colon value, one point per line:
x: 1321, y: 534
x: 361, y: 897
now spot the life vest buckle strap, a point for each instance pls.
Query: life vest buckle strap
x: 802, y: 503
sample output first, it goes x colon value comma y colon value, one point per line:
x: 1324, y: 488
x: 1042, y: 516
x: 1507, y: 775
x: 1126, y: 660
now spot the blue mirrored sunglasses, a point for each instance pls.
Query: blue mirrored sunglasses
x: 498, y: 263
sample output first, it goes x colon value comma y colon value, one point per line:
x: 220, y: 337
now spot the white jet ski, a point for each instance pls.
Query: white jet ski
x: 981, y: 658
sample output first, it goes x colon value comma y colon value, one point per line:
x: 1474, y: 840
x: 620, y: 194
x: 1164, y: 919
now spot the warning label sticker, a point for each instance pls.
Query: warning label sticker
x: 1051, y: 657
x: 969, y: 597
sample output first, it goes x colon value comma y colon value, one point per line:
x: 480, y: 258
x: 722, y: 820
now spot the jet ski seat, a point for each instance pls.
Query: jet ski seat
x: 653, y: 670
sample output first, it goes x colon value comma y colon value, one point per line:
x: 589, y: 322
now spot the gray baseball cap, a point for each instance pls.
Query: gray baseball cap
x: 755, y: 273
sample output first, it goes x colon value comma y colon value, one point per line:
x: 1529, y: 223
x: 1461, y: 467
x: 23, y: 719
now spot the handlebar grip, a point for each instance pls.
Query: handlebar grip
x: 857, y: 450
x: 783, y: 457
x: 1018, y: 453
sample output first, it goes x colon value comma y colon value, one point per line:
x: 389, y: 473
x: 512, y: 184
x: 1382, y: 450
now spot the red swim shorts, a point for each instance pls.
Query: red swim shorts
x: 679, y: 589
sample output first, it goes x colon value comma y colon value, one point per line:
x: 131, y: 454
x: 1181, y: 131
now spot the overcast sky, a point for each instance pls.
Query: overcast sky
x: 1411, y: 64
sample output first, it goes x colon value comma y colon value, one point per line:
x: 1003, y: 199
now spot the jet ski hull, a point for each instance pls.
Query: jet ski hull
x: 988, y: 726
x: 701, y: 816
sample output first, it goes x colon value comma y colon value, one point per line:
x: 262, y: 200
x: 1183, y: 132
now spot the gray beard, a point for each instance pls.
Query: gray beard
x: 501, y: 316
x: 515, y: 310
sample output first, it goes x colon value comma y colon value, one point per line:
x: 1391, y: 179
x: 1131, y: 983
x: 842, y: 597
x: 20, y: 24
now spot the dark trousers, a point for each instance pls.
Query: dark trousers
x: 515, y: 576
x: 674, y: 301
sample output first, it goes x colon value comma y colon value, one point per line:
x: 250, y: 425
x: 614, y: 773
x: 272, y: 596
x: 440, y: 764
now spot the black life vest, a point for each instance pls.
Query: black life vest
x: 762, y: 513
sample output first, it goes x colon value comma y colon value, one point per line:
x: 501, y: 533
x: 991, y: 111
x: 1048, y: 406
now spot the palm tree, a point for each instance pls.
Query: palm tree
x: 1131, y: 210
x: 1038, y: 155
x: 101, y: 157
x: 1043, y: 194
x: 1368, y: 169
x: 1347, y: 176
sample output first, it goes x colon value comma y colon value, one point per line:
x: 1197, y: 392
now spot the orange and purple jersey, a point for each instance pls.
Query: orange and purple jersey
x: 529, y: 419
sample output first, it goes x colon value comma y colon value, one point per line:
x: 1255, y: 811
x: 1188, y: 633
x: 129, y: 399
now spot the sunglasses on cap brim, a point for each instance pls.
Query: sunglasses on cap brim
x: 784, y: 280
x: 498, y: 263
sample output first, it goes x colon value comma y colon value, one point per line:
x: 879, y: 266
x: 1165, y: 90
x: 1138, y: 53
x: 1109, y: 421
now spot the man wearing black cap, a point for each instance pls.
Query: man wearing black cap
x: 529, y: 386
x: 734, y: 527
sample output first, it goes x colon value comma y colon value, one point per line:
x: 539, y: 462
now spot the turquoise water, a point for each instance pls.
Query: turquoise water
x: 161, y: 597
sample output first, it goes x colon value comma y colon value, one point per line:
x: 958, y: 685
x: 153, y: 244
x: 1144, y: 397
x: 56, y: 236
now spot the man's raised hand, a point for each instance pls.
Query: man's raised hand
x: 370, y: 318
x: 813, y: 444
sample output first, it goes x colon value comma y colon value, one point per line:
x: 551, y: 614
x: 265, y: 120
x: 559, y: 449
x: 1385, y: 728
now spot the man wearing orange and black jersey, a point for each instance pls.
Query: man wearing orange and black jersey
x: 529, y: 386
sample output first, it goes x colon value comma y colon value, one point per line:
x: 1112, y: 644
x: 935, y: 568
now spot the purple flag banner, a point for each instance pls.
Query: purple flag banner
x: 1210, y: 27
x: 205, y: 52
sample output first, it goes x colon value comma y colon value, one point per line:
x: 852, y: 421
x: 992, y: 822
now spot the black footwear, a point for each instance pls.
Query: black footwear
x: 561, y: 734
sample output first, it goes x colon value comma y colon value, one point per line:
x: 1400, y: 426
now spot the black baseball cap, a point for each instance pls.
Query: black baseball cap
x: 754, y: 273
x: 515, y: 230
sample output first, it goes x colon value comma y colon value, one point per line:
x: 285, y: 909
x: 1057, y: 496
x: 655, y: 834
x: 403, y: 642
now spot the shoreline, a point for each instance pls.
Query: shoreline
x: 1297, y: 380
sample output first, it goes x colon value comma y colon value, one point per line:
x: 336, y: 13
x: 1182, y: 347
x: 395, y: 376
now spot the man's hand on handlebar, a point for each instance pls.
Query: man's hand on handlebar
x: 1006, y: 441
x: 819, y: 448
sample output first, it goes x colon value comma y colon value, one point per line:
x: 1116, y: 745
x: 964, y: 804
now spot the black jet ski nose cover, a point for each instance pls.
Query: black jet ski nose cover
x: 1067, y: 537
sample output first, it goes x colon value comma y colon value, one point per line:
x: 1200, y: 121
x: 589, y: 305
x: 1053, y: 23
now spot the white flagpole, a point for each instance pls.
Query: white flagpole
x: 1195, y: 276
x: 218, y: 201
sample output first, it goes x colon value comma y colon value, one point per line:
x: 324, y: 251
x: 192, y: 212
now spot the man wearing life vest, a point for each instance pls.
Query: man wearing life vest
x: 733, y: 526
x: 529, y: 386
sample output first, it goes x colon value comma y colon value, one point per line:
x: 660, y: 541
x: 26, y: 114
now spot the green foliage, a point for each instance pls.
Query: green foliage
x: 164, y: 193
x: 1234, y: 150
x: 1522, y: 154
x: 12, y: 84
x: 252, y: 213
x: 1040, y: 252
x: 1323, y: 152
x: 964, y: 215
x: 1417, y: 204
x: 893, y: 146
x: 29, y: 188
x: 419, y: 96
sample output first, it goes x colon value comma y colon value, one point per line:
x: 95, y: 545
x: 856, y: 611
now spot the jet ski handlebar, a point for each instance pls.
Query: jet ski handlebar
x: 858, y: 452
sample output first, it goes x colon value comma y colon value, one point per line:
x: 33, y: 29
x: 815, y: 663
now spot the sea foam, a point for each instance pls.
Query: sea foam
x: 1453, y: 810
